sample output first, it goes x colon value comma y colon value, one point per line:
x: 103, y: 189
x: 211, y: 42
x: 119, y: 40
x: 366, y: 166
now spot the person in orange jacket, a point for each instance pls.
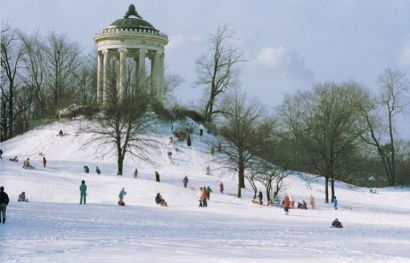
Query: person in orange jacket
x: 286, y: 204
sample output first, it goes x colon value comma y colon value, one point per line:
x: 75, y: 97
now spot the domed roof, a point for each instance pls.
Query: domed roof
x: 136, y: 22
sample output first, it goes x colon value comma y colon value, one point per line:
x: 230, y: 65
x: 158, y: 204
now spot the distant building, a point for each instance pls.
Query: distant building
x: 131, y: 39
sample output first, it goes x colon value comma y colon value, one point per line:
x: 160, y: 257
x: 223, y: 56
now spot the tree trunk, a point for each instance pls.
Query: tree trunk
x: 241, y: 176
x: 239, y: 195
x: 120, y: 163
x: 326, y: 190
x: 332, y: 185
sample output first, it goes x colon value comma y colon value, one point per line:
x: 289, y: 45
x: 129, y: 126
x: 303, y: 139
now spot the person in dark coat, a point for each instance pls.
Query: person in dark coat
x: 260, y: 196
x: 336, y: 223
x: 83, y: 192
x: 185, y: 181
x: 188, y: 141
x: 4, y: 201
x: 157, y: 176
x: 97, y: 170
x: 221, y: 188
x: 44, y: 161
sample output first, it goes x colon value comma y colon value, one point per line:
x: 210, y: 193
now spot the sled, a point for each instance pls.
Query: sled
x: 256, y: 202
x: 121, y: 203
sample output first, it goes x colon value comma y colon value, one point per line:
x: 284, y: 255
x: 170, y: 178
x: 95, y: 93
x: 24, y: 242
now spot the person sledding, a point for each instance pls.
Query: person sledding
x: 159, y: 200
x: 15, y: 159
x: 27, y: 164
x: 337, y: 224
x: 22, y: 197
x: 121, y: 196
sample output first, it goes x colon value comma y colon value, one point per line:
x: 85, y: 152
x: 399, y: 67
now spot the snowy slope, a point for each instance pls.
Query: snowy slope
x: 54, y: 228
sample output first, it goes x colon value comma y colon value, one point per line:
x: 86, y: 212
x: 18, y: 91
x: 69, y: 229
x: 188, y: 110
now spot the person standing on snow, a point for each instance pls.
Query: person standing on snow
x: 221, y: 188
x: 4, y: 201
x: 335, y: 202
x: 83, y: 192
x: 312, y: 202
x: 185, y: 181
x: 121, y: 196
x: 286, y: 204
x: 260, y: 196
x: 208, y: 192
x: 44, y: 162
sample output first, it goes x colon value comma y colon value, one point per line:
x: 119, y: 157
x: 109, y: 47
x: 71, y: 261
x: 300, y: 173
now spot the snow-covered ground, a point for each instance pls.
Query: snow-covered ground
x: 53, y: 227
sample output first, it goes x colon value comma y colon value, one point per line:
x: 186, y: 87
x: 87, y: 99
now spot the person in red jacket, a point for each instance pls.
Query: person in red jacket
x: 44, y: 161
x: 286, y: 204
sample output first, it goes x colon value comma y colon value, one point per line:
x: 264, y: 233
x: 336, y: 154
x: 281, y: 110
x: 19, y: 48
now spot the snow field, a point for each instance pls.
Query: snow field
x: 53, y: 227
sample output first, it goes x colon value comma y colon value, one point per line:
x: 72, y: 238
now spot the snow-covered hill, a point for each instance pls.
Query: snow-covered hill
x: 54, y: 228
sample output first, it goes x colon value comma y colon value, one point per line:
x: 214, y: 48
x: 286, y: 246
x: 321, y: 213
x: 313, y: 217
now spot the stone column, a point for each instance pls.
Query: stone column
x: 141, y: 66
x: 161, y: 80
x: 105, y: 77
x: 155, y: 75
x: 122, y: 71
x: 100, y: 67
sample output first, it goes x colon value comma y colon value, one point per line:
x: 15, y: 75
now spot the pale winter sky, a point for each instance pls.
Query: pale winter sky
x: 288, y: 44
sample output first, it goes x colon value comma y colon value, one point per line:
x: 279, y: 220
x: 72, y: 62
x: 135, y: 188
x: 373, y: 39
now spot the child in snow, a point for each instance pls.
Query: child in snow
x: 221, y: 188
x: 14, y: 159
x: 286, y: 204
x: 160, y: 201
x: 22, y: 197
x: 27, y: 165
x: 202, y: 197
x: 185, y: 181
x: 121, y: 196
x: 336, y: 223
x: 83, y: 192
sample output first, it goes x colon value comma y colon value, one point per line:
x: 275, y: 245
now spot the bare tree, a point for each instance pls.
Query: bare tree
x: 271, y: 176
x: 327, y: 125
x: 11, y: 55
x: 125, y: 124
x: 217, y: 69
x: 239, y: 130
x: 63, y: 60
x: 379, y: 116
x: 86, y: 81
x: 35, y: 73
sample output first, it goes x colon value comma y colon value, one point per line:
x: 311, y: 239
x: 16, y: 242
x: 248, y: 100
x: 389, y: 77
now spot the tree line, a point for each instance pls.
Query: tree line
x: 338, y: 131
x: 39, y: 76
